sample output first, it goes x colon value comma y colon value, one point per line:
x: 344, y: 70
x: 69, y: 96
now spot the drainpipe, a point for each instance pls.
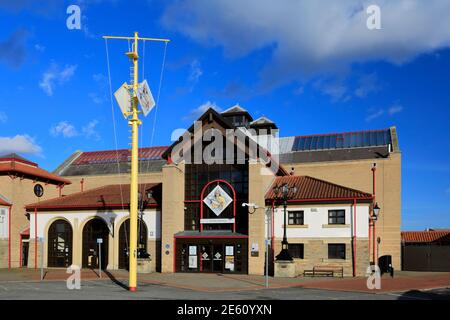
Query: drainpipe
x: 354, y: 237
x: 273, y: 230
x: 35, y: 237
x: 9, y: 237
x: 374, y: 169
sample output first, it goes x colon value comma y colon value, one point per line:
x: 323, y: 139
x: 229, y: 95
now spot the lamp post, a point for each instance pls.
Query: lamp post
x: 374, y: 218
x: 284, y: 193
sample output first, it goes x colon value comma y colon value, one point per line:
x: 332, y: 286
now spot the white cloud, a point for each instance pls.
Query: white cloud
x: 89, y: 131
x: 310, y: 38
x: 396, y: 108
x: 55, y: 75
x: 22, y: 144
x: 366, y: 85
x: 64, y: 129
x: 197, y: 112
x: 39, y: 47
x: 68, y: 130
x: 3, y: 117
x: 374, y: 115
x: 195, y: 72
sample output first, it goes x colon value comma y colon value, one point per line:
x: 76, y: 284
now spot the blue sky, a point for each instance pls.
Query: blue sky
x: 311, y: 66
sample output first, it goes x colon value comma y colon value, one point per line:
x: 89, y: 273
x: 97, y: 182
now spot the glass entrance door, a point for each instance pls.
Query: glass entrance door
x: 206, y: 258
x: 217, y: 258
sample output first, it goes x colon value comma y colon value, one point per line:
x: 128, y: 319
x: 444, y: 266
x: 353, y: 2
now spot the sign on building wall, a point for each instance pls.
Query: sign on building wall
x: 3, y: 223
x: 217, y: 200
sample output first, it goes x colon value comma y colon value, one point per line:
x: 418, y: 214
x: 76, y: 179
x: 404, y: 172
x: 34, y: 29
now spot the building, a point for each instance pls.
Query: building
x: 427, y: 250
x: 215, y: 216
x: 18, y: 178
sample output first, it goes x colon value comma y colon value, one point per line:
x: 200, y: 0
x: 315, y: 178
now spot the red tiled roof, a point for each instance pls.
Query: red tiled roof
x: 426, y: 236
x: 110, y: 196
x: 309, y: 188
x: 108, y: 156
x: 12, y: 166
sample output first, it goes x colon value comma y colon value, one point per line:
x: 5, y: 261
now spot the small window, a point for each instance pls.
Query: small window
x: 336, y: 251
x: 296, y: 250
x: 295, y: 218
x: 336, y: 216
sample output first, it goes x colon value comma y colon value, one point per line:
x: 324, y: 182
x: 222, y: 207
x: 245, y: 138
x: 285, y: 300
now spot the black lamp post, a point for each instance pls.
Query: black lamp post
x: 376, y: 211
x: 283, y: 193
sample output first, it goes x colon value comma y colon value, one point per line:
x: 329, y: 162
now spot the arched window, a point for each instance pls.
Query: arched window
x: 60, y: 244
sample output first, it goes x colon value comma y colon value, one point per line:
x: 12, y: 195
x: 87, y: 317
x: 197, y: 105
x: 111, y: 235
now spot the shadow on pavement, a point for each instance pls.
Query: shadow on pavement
x: 437, y: 294
x: 115, y: 281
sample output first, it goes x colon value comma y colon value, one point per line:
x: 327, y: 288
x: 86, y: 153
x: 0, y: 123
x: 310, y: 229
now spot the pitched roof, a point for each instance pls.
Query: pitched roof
x: 24, y: 168
x: 105, y: 197
x: 313, y: 189
x: 107, y: 161
x: 234, y: 109
x: 426, y: 236
x: 263, y: 121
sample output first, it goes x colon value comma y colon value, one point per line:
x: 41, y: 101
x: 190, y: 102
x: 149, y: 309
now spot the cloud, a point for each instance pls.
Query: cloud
x: 3, y: 117
x: 39, y: 47
x: 396, y: 108
x: 89, y: 131
x: 23, y: 144
x: 55, y: 75
x: 309, y: 38
x: 65, y: 129
x: 366, y: 85
x: 197, y: 112
x: 447, y: 191
x: 13, y: 51
x: 374, y: 115
x: 335, y: 89
x: 195, y: 72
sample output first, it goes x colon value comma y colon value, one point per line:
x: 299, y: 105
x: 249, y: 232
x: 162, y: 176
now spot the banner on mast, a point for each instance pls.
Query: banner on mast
x: 123, y: 98
x: 145, y: 97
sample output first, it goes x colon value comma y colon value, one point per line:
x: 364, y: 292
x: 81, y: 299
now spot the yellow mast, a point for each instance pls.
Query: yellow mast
x: 134, y: 122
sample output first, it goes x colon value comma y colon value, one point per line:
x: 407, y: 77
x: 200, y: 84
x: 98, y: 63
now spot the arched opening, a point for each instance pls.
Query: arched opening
x: 124, y: 238
x: 95, y: 239
x: 59, y: 244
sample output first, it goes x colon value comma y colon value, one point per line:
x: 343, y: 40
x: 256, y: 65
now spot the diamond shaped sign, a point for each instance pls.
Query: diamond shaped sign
x: 217, y: 200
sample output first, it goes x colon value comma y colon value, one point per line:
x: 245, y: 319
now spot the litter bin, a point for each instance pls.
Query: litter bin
x: 385, y: 265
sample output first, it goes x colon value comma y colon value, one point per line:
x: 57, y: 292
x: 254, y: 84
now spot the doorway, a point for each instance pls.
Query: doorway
x: 59, y: 244
x: 124, y: 238
x: 211, y: 256
x: 95, y: 239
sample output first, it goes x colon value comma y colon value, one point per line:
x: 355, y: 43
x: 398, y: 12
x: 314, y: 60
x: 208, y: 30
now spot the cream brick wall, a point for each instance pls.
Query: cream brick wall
x: 258, y: 186
x: 20, y: 193
x: 358, y: 175
x: 316, y: 254
x: 172, y: 212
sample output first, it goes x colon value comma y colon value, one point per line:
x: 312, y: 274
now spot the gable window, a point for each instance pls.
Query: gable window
x: 336, y: 251
x: 296, y: 250
x: 336, y: 216
x: 295, y: 218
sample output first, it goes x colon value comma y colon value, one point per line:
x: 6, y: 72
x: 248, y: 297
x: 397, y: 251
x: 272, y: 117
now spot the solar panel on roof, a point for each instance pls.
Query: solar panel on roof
x: 342, y: 140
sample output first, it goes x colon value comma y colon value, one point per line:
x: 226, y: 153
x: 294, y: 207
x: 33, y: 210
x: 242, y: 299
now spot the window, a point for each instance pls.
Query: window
x: 336, y: 251
x: 296, y: 250
x: 295, y: 218
x: 336, y: 216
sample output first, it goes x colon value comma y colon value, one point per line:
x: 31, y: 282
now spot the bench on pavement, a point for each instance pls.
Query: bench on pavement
x: 324, y: 271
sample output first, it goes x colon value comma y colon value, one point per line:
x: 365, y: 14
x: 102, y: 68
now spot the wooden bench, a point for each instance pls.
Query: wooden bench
x: 324, y: 271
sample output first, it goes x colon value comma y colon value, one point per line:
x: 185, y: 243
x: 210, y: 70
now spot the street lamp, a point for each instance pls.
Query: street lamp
x: 376, y: 212
x: 284, y: 193
x: 374, y: 217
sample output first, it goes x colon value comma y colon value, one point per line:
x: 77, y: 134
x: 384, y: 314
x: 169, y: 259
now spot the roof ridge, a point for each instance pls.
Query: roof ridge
x: 340, y: 133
